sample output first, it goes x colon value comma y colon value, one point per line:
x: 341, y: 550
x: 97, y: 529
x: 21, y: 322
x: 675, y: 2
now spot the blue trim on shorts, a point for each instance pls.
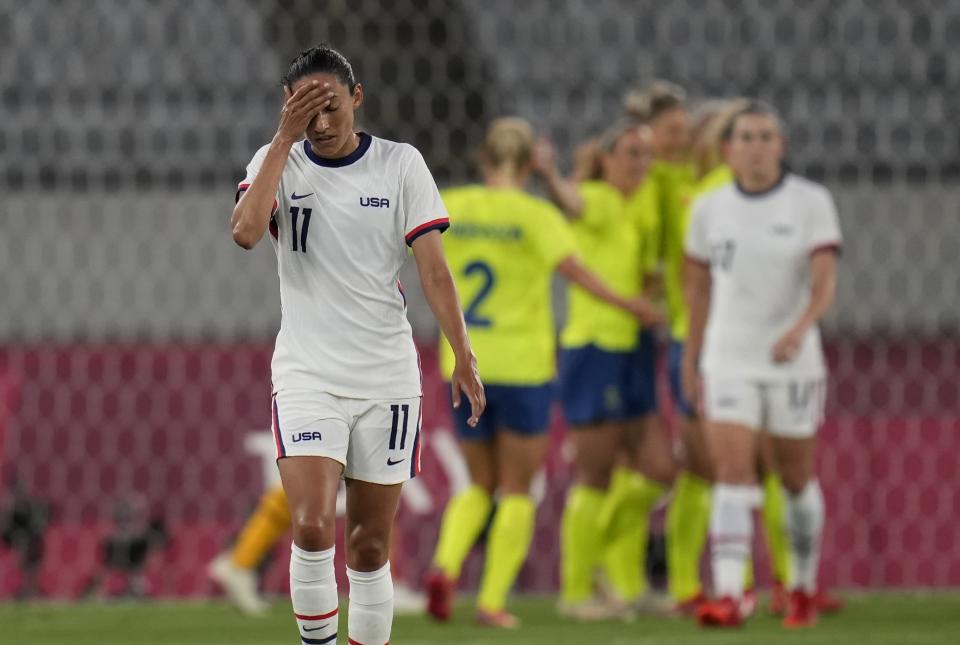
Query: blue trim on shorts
x: 279, y: 436
x: 524, y: 409
x: 675, y: 372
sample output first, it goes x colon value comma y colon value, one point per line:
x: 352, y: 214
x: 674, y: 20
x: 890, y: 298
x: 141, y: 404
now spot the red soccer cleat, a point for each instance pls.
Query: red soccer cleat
x: 689, y: 606
x: 827, y: 604
x: 779, y: 599
x: 803, y: 610
x: 724, y: 612
x: 439, y: 595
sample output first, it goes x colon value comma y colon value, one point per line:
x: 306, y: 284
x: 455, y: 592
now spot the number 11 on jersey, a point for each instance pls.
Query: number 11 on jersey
x: 302, y: 233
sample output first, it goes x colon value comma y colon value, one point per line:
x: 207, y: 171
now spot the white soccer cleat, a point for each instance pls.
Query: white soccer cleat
x: 406, y: 601
x: 240, y: 585
x: 594, y: 609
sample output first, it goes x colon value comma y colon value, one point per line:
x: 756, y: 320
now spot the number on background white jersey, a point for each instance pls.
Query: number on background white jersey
x: 341, y: 229
x: 758, y: 248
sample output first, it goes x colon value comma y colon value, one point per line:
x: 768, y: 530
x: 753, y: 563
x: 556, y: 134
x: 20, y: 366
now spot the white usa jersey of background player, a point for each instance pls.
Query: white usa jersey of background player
x: 758, y: 248
x: 341, y: 228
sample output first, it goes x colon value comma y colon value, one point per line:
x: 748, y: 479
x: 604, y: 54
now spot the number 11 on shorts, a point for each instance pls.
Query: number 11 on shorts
x: 397, y: 409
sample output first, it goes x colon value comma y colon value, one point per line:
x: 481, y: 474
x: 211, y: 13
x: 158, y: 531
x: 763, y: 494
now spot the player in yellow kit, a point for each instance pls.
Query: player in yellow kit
x: 645, y: 464
x: 600, y: 389
x: 503, y: 247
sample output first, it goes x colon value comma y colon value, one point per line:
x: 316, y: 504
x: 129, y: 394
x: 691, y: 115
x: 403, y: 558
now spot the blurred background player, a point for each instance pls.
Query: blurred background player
x: 760, y: 273
x: 599, y: 362
x: 503, y: 248
x: 346, y: 378
x: 645, y: 464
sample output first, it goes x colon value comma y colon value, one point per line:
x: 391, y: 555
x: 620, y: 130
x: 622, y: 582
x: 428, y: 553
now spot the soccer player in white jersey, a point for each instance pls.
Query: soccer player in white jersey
x: 760, y: 273
x: 342, y: 207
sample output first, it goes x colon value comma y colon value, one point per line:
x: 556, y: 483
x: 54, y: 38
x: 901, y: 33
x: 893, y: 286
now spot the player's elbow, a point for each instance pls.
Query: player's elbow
x: 243, y: 238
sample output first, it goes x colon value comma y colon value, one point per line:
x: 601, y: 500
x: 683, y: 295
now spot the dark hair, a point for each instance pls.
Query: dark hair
x: 647, y: 104
x: 753, y: 107
x: 322, y: 59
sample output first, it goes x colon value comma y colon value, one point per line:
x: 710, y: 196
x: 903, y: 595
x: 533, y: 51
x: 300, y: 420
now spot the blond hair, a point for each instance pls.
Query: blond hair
x: 648, y: 103
x: 711, y: 121
x: 508, y: 143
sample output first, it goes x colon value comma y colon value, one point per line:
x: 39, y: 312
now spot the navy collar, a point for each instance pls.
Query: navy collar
x: 761, y: 193
x: 365, y: 140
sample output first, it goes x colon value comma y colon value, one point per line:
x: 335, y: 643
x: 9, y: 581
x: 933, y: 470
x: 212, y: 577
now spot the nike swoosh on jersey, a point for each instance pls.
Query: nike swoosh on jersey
x: 296, y: 196
x: 391, y: 462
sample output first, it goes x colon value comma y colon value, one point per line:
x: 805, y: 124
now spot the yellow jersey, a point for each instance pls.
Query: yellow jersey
x: 673, y: 274
x: 644, y: 207
x: 503, y: 247
x: 608, y: 239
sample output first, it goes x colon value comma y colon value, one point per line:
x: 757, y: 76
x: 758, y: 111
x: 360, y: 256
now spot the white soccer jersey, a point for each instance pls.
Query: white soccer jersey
x: 758, y: 248
x: 340, y: 230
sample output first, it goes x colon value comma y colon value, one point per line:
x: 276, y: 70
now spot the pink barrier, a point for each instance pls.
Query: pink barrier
x: 164, y: 428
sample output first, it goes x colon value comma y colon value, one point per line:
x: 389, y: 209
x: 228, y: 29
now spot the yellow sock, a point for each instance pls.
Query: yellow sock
x: 580, y: 542
x: 688, y: 519
x: 507, y: 548
x: 625, y: 551
x: 775, y: 527
x: 463, y: 519
x: 269, y: 521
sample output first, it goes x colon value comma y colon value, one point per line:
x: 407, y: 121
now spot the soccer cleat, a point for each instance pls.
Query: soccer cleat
x: 827, y: 604
x: 439, y: 595
x: 689, y: 606
x: 499, y: 619
x: 240, y: 585
x: 593, y: 609
x: 748, y: 603
x: 724, y: 612
x: 779, y: 599
x: 406, y: 601
x: 802, y: 611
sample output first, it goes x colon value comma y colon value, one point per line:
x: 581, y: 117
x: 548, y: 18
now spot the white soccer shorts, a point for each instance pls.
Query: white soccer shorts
x: 790, y: 409
x: 377, y: 441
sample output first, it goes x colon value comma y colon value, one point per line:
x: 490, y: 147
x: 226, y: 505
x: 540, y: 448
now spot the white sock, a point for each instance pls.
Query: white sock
x: 371, y: 606
x: 313, y: 590
x: 805, y: 515
x: 731, y: 536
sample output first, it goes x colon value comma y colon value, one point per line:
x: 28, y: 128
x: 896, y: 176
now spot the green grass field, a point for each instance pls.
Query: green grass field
x: 888, y: 619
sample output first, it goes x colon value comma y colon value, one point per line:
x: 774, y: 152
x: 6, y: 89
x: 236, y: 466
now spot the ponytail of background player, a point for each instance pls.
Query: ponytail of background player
x: 503, y: 248
x: 761, y: 272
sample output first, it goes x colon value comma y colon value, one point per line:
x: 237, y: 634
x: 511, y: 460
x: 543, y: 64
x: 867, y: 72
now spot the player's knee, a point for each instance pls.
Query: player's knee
x: 313, y: 533
x: 367, y: 550
x: 794, y: 480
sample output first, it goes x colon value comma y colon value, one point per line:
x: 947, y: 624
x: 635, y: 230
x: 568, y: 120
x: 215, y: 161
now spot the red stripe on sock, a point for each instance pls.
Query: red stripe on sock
x: 322, y: 617
x: 350, y: 641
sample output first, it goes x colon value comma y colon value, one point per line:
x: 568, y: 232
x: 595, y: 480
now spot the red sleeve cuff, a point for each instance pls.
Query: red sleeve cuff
x: 242, y: 187
x: 440, y: 224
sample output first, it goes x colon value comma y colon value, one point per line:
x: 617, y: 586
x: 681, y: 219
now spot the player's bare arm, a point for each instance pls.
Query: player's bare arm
x: 251, y: 215
x: 696, y: 288
x: 562, y: 191
x: 441, y: 294
x: 823, y: 287
x: 645, y: 311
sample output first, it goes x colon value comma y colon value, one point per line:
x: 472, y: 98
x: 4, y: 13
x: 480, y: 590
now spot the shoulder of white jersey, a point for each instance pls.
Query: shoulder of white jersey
x: 707, y: 198
x: 387, y: 148
x: 809, y: 188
